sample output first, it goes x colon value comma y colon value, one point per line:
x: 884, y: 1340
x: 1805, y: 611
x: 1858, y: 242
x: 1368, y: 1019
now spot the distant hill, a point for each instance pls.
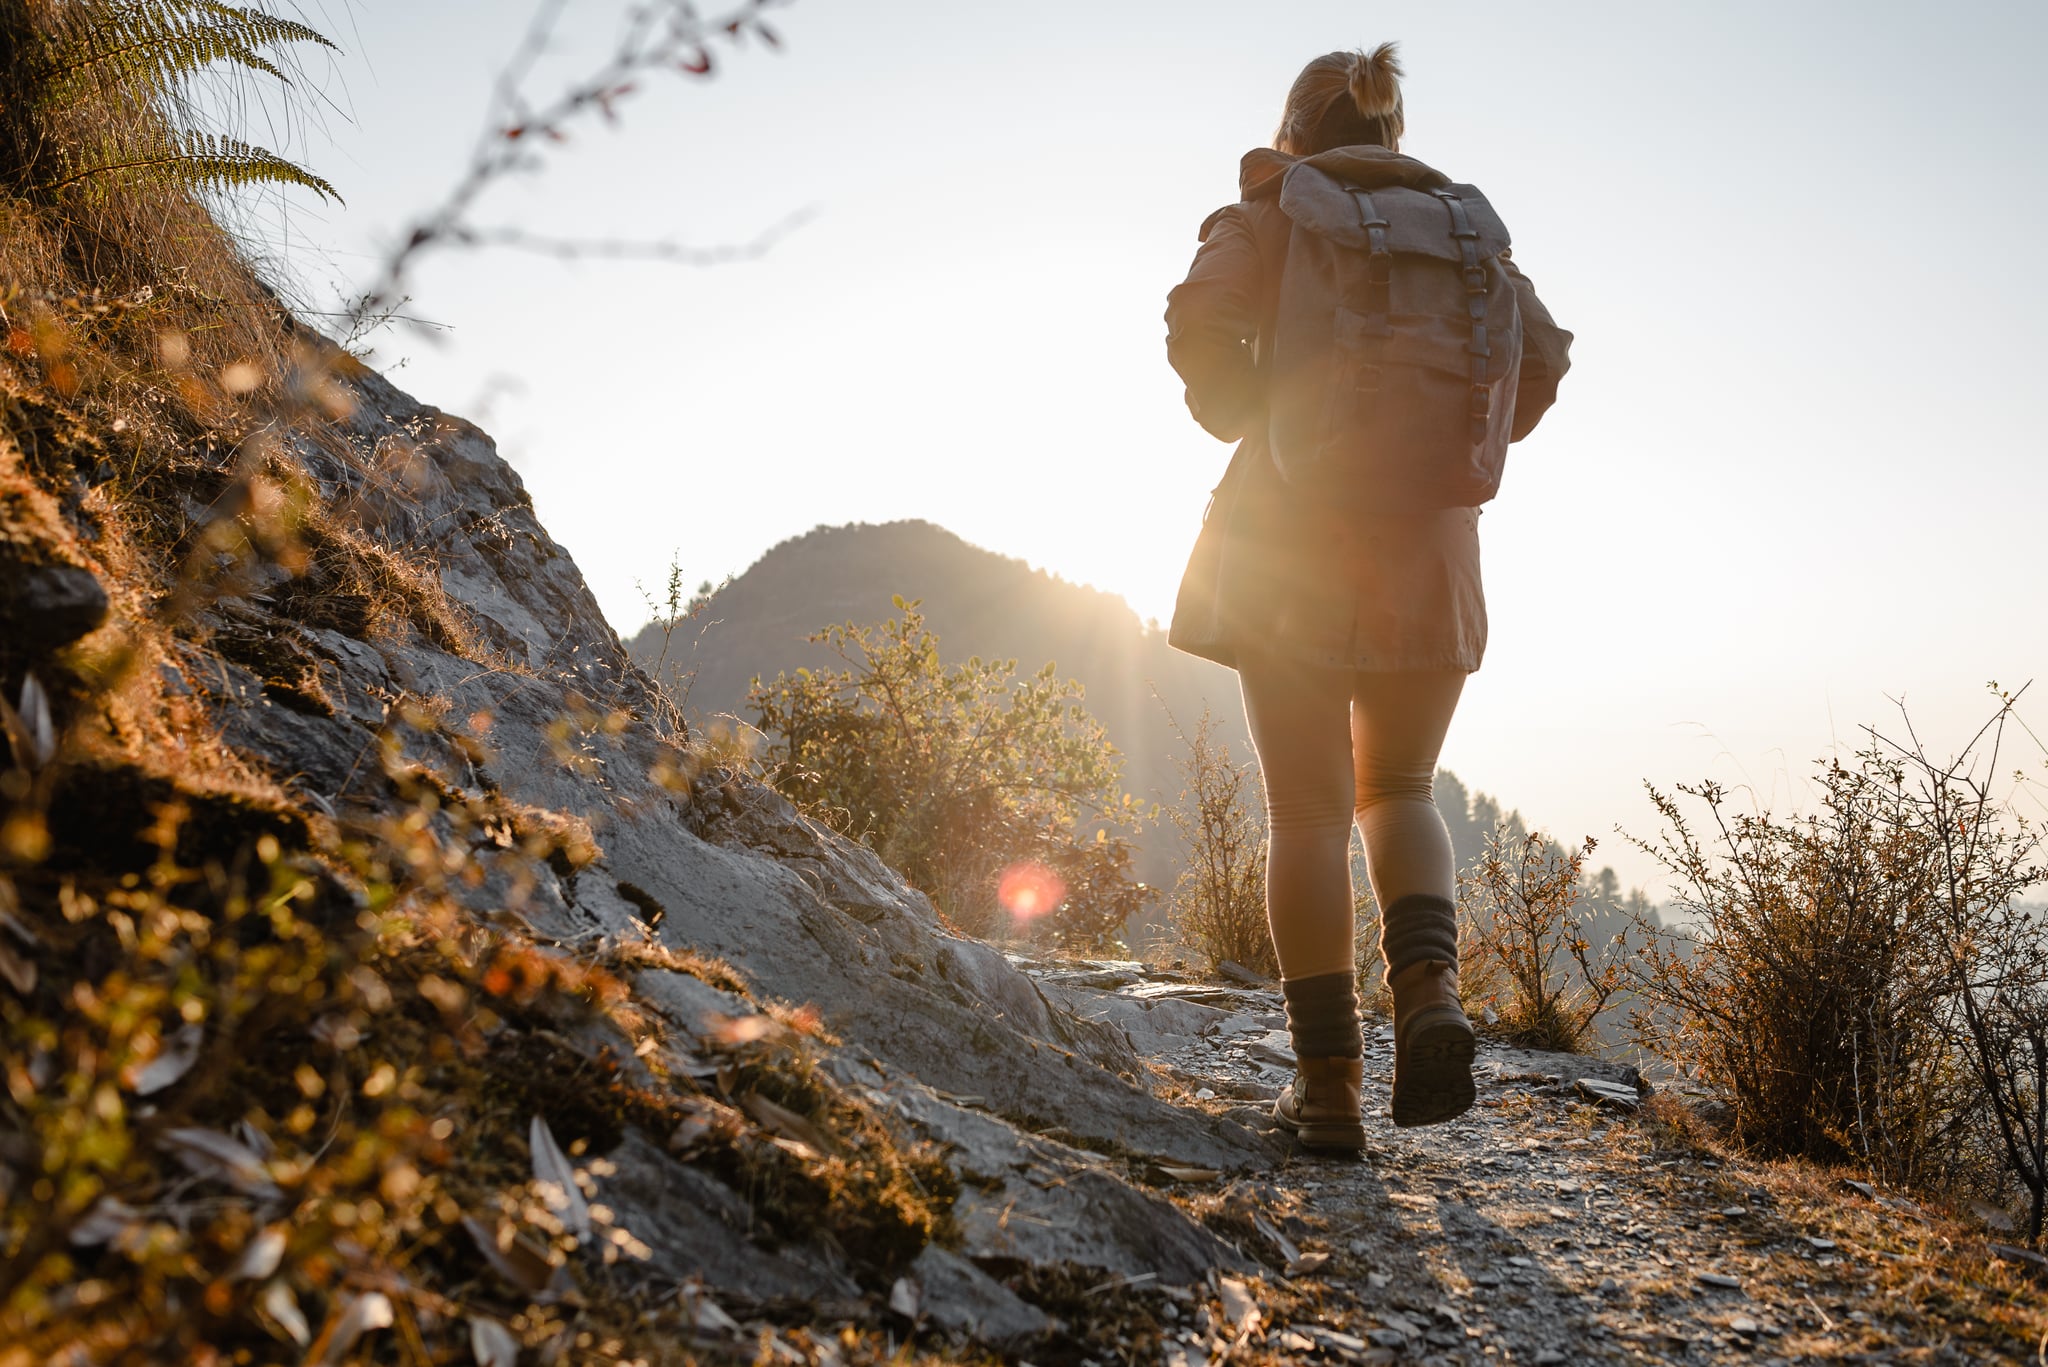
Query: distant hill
x: 978, y: 603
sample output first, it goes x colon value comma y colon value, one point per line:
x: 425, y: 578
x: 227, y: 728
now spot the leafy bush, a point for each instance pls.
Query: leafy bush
x: 1863, y: 981
x: 957, y: 774
x: 1218, y: 907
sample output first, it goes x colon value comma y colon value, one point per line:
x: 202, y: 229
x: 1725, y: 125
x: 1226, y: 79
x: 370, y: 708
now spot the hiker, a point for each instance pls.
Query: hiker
x: 1356, y: 325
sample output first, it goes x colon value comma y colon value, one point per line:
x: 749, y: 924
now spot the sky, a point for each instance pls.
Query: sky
x: 1795, y: 474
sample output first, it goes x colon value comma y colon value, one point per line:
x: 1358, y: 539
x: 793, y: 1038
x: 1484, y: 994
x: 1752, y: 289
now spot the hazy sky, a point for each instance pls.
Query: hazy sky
x: 1796, y: 468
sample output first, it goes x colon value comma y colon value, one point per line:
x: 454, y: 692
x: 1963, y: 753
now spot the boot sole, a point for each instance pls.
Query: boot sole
x: 1433, y: 1073
x: 1331, y: 1135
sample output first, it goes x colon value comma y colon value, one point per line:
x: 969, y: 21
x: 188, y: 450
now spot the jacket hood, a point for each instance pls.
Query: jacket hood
x: 1260, y: 171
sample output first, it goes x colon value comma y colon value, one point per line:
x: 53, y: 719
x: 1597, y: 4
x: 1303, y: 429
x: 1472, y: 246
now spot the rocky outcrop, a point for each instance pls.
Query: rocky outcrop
x: 528, y: 700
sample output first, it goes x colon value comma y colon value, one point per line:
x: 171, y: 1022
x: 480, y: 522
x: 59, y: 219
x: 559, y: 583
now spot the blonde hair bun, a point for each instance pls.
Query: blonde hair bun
x: 1344, y: 99
x: 1376, y: 81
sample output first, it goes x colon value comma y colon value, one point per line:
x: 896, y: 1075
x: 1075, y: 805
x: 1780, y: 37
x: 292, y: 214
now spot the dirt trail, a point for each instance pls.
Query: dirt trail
x: 1562, y: 1220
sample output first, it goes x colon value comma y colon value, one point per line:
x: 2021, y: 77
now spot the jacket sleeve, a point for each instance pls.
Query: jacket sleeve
x: 1212, y: 326
x: 1546, y: 356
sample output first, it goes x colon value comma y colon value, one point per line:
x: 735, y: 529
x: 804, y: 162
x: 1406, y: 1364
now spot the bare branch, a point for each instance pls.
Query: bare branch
x: 660, y: 37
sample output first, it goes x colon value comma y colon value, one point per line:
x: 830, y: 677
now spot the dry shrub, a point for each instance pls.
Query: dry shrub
x: 1531, y: 963
x: 1863, y: 981
x: 1218, y: 908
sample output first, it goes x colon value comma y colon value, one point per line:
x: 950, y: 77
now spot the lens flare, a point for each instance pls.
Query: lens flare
x: 1027, y: 890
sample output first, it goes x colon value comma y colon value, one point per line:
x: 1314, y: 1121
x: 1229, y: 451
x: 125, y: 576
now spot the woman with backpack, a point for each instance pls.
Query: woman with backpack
x: 1356, y: 325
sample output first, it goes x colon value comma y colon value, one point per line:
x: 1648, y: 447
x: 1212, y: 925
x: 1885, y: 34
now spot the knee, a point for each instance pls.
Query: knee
x: 1308, y: 814
x: 1380, y: 790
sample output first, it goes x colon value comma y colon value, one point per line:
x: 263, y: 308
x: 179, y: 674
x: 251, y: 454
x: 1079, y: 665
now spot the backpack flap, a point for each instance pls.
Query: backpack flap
x: 1317, y: 201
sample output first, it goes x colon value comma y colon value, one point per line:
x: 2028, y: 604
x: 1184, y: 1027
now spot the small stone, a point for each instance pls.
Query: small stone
x: 1549, y: 1357
x: 1337, y: 1338
x: 1745, y: 1326
x: 1274, y: 1047
x: 1608, y: 1287
x: 1486, y: 1279
x: 1386, y: 1338
x: 1720, y: 1281
x: 48, y: 606
x: 1735, y: 1212
x: 1613, y: 1096
x: 1822, y: 1245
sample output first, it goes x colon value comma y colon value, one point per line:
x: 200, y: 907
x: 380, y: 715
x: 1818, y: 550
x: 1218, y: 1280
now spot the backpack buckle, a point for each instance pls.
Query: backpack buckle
x: 1475, y: 279
x: 1481, y: 408
x: 1366, y: 380
x: 1379, y: 268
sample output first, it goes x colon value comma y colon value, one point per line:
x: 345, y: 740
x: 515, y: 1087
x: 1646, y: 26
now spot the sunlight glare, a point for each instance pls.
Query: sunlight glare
x: 1027, y: 890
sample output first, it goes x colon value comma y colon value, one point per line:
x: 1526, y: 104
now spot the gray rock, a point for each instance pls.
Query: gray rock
x: 960, y: 1296
x: 1152, y: 1025
x: 1275, y: 1047
x: 685, y: 999
x: 43, y: 607
x: 1562, y: 1069
x: 695, y: 1227
x: 1608, y: 1095
x: 1028, y: 1199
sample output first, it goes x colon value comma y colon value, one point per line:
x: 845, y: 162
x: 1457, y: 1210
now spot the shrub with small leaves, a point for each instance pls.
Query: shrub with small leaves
x: 956, y: 773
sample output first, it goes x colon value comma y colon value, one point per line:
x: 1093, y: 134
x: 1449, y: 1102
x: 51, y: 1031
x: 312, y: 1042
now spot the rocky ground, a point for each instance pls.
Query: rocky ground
x: 1564, y: 1219
x: 1122, y: 1196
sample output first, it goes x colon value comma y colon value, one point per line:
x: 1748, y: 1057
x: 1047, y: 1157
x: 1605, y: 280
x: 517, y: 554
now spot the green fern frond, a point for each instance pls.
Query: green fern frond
x: 205, y: 162
x: 157, y: 43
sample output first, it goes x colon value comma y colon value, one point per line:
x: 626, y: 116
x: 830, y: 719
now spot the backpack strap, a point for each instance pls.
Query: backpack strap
x: 1379, y: 281
x: 1481, y: 405
x: 1379, y: 262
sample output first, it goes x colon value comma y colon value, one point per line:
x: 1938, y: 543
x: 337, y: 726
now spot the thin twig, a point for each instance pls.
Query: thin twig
x: 628, y: 249
x: 662, y: 36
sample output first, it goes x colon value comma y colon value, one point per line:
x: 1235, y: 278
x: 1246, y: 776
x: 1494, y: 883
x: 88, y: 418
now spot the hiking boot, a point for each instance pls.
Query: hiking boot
x: 1433, y: 1045
x: 1321, y: 1105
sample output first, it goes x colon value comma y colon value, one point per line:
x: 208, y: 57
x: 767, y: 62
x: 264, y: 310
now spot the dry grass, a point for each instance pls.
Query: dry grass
x: 1922, y: 1264
x: 359, y: 1047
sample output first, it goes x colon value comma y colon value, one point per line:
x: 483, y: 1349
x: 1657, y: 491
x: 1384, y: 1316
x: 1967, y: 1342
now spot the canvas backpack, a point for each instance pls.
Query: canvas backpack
x: 1397, y: 346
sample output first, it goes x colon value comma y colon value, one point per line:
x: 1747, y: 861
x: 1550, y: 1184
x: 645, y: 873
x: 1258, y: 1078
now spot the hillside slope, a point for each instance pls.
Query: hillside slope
x: 502, y: 888
x: 419, y: 1044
